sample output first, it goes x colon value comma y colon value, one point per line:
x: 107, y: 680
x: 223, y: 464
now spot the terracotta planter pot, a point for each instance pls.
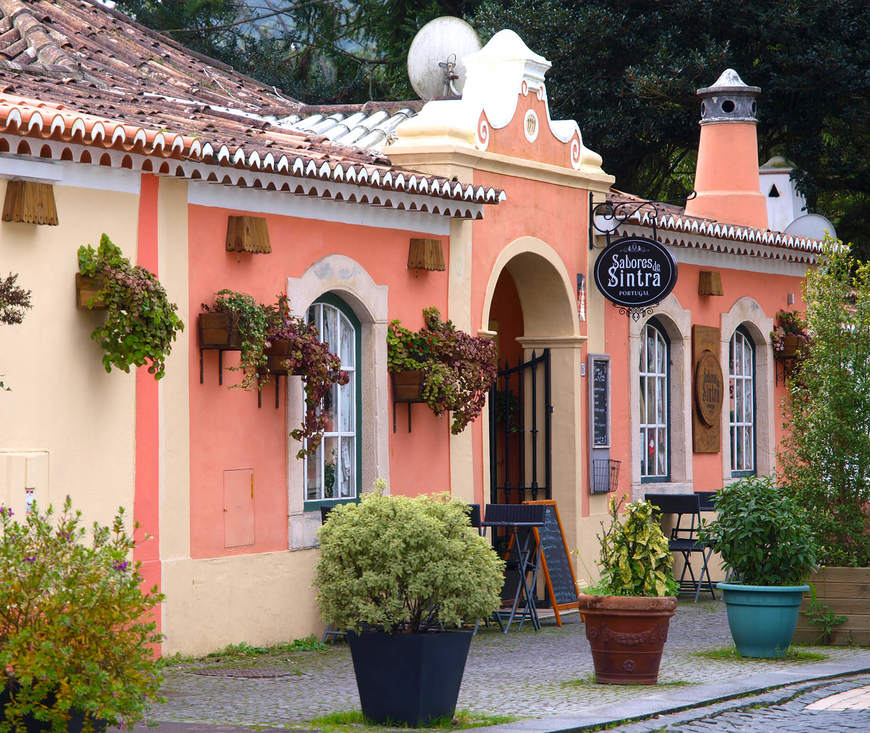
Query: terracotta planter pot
x: 216, y: 331
x: 407, y: 386
x: 88, y: 291
x: 276, y: 357
x: 627, y: 635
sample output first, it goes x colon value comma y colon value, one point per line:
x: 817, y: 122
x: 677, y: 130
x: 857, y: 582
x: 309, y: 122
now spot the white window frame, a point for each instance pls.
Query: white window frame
x: 654, y: 382
x: 741, y: 394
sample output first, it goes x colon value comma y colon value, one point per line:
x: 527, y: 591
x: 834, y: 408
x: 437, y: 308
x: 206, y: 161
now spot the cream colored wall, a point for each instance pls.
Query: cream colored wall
x: 259, y: 599
x: 63, y: 403
x: 174, y: 395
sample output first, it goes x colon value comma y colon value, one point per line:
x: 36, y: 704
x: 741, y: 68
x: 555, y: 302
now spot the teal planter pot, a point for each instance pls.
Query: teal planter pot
x: 762, y: 618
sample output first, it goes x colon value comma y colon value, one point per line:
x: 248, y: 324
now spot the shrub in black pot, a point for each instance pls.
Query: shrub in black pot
x: 397, y: 572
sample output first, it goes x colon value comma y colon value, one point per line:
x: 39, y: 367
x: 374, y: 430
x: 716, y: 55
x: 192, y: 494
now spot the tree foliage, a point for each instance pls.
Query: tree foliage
x: 626, y: 70
x: 825, y: 460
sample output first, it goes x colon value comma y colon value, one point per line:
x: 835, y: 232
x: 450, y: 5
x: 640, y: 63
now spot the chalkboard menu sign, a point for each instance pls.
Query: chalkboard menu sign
x: 600, y: 406
x: 555, y: 560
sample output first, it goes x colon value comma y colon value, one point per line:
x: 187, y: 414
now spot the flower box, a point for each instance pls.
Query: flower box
x: 217, y: 331
x: 407, y: 386
x: 790, y: 345
x: 88, y: 289
x: 277, y: 355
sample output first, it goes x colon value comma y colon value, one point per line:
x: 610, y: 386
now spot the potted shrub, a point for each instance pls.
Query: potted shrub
x: 628, y: 613
x: 397, y: 572
x: 140, y: 321
x: 765, y: 539
x: 75, y: 628
x: 442, y: 366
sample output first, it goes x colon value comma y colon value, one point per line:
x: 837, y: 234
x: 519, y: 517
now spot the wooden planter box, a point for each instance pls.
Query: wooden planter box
x: 407, y: 386
x: 216, y: 331
x: 790, y: 345
x: 88, y: 288
x: 276, y: 356
x: 846, y: 591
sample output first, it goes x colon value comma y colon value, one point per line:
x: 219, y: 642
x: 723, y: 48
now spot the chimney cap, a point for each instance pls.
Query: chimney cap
x: 728, y: 100
x: 729, y: 82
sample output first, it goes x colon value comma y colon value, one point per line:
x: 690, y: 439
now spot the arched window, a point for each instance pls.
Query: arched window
x: 654, y: 373
x: 332, y: 473
x: 741, y: 391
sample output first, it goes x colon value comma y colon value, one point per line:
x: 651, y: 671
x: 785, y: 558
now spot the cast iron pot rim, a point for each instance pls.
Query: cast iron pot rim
x: 762, y: 588
x: 627, y: 603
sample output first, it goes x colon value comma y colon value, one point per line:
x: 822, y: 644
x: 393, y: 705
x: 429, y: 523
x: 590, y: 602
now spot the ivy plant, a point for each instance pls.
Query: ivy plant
x: 141, y: 323
x: 75, y: 626
x: 635, y: 558
x: 405, y: 564
x: 249, y: 317
x: 458, y: 369
x: 761, y: 533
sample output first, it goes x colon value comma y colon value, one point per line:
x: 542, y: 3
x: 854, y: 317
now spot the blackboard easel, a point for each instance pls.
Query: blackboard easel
x: 556, y: 560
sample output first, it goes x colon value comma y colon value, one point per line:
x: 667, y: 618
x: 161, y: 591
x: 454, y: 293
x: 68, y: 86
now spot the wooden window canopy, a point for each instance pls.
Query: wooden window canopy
x: 710, y: 283
x: 425, y: 254
x: 248, y: 234
x: 30, y: 202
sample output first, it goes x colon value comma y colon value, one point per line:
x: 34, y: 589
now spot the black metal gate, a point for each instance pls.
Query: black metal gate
x: 520, y: 440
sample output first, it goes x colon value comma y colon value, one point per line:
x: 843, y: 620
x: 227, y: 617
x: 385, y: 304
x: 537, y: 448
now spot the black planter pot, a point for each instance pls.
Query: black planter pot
x: 409, y: 679
x: 75, y: 724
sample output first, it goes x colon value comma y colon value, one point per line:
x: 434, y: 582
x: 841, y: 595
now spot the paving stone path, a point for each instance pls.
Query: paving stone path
x: 796, y: 709
x: 524, y: 674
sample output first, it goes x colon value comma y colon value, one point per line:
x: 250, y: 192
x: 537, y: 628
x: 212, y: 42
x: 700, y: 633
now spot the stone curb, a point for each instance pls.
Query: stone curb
x: 683, y: 699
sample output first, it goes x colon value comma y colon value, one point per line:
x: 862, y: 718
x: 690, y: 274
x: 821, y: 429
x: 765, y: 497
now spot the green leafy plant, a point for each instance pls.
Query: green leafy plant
x: 824, y: 461
x: 141, y: 323
x: 74, y: 624
x: 761, y: 533
x: 260, y: 326
x: 822, y: 617
x: 250, y: 318
x: 14, y: 303
x: 635, y: 559
x: 458, y: 369
x: 404, y: 564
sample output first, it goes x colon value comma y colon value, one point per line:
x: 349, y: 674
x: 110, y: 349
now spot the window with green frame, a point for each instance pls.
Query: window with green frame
x: 654, y: 372
x: 332, y: 474
x: 741, y: 392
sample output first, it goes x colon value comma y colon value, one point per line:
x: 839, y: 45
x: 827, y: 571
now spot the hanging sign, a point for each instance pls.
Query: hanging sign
x: 635, y: 272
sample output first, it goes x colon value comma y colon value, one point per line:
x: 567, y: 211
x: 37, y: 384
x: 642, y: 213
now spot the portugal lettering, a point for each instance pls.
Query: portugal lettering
x: 635, y: 271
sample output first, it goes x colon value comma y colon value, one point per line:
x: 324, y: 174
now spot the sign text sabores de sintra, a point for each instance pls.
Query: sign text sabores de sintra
x: 635, y: 272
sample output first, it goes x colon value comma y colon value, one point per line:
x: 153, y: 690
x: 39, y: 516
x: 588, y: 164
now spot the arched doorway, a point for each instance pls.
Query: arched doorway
x: 534, y: 416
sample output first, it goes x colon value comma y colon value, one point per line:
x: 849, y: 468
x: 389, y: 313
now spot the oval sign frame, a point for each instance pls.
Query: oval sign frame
x: 708, y: 369
x: 656, y: 260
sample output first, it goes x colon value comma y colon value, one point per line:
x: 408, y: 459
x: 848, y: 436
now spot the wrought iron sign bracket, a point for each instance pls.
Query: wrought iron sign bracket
x: 635, y: 313
x: 612, y: 214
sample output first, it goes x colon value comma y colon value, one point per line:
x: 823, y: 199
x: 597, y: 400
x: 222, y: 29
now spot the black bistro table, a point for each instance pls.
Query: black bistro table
x: 523, y: 558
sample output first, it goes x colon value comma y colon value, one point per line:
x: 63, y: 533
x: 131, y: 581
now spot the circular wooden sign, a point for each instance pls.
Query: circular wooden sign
x: 709, y: 388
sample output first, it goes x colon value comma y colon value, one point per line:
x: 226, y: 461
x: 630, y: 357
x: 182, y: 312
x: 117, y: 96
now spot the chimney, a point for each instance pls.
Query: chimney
x: 726, y: 175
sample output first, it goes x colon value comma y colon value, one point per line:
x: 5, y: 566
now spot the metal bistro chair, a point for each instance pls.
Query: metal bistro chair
x: 684, y: 539
x: 523, y: 559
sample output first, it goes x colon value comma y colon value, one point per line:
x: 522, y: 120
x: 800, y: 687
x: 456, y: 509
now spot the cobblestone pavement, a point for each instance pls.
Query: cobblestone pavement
x: 790, y: 709
x: 524, y: 674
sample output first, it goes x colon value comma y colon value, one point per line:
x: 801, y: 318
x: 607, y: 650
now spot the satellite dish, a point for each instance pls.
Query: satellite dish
x: 813, y: 226
x: 435, y: 65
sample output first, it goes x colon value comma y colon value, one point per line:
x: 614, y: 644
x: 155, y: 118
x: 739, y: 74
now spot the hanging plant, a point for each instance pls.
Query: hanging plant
x: 14, y: 303
x: 309, y: 356
x: 261, y: 326
x: 250, y: 319
x: 140, y: 321
x: 458, y: 369
x: 789, y: 336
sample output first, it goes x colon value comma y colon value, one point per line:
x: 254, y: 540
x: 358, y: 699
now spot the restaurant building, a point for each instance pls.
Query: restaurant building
x: 158, y: 147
